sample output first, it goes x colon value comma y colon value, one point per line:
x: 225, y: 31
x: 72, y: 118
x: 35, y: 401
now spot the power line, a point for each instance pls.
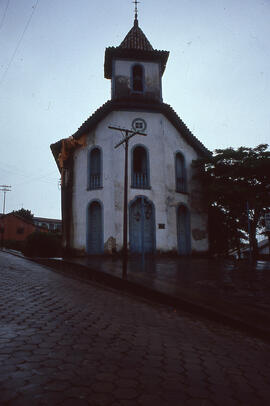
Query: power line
x: 33, y: 178
x: 4, y: 15
x: 25, y: 175
x: 19, y: 42
x: 36, y: 179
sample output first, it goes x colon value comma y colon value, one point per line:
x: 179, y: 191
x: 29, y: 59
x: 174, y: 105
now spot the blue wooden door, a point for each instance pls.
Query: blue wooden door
x: 95, y: 232
x: 142, y: 226
x: 183, y: 231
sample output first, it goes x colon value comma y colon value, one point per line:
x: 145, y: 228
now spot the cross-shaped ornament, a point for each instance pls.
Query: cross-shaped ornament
x: 136, y: 2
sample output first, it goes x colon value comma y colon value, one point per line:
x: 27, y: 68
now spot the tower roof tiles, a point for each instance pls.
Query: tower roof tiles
x: 136, y: 39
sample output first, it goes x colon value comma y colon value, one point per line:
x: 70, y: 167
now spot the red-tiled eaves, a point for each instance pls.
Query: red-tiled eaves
x: 112, y: 53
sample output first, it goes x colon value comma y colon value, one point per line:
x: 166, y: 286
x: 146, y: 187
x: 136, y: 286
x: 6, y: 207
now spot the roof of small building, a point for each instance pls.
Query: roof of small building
x: 17, y: 216
x: 13, y: 213
x: 135, y: 105
x: 47, y: 220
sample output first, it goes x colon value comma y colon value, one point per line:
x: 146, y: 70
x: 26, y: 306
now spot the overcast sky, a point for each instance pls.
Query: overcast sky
x: 51, y: 77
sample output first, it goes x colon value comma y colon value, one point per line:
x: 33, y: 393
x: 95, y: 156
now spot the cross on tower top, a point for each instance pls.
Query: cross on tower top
x: 136, y: 2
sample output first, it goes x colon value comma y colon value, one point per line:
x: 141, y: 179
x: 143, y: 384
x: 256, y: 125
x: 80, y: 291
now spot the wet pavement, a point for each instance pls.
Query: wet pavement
x: 67, y: 342
x: 231, y: 291
x: 226, y: 278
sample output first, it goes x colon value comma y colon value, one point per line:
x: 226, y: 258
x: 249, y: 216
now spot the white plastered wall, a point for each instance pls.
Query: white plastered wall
x: 162, y: 141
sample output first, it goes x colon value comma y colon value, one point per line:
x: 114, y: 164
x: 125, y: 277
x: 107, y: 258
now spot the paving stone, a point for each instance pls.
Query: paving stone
x: 26, y: 401
x: 105, y: 377
x: 100, y: 399
x: 197, y: 402
x: 126, y: 383
x: 102, y: 387
x: 173, y: 397
x: 125, y: 403
x: 68, y: 342
x: 127, y: 373
x: 147, y: 400
x: 125, y: 393
x: 57, y: 386
x: 7, y: 395
x: 74, y: 401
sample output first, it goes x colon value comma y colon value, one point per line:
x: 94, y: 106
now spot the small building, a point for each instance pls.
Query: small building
x: 263, y: 250
x: 50, y: 224
x: 165, y: 202
x: 16, y: 228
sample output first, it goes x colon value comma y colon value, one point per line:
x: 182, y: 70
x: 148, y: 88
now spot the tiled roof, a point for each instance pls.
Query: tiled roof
x: 47, y: 220
x: 150, y: 105
x: 25, y: 220
x: 136, y: 39
x: 129, y: 105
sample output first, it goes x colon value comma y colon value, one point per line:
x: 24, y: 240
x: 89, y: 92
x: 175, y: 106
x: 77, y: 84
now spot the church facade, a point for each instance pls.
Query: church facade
x: 165, y: 205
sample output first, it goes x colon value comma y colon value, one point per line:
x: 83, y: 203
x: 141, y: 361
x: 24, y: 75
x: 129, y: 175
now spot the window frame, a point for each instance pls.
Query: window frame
x: 133, y: 184
x: 182, y: 189
x: 132, y: 78
x: 89, y: 183
x: 100, y: 203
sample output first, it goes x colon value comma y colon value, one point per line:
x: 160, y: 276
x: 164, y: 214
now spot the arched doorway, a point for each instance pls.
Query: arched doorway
x: 94, y: 228
x: 142, y: 226
x: 183, y: 230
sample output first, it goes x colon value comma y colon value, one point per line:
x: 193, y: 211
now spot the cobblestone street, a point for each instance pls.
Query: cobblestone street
x: 68, y: 342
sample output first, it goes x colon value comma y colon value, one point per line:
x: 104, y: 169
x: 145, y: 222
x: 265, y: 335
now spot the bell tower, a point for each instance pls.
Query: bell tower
x: 135, y: 67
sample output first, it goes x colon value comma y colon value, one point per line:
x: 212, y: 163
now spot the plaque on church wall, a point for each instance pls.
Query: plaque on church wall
x: 139, y: 124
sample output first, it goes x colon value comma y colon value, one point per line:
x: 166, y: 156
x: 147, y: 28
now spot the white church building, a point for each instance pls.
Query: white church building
x: 165, y: 202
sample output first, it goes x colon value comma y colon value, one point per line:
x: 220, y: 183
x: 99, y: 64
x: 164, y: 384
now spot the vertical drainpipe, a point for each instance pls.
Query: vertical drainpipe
x: 66, y: 203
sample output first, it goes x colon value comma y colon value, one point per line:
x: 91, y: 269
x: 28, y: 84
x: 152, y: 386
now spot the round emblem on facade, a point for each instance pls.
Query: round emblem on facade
x: 139, y: 124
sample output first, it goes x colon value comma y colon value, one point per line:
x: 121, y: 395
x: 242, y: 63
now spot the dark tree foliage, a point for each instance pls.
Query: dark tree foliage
x: 224, y: 234
x: 24, y: 213
x: 236, y: 182
x: 40, y: 244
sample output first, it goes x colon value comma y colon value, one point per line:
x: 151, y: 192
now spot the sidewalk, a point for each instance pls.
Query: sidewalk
x: 235, y: 293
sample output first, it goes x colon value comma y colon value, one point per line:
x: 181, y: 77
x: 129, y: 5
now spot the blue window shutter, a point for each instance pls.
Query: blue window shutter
x: 95, y: 229
x: 180, y: 173
x: 95, y: 169
x: 140, y: 168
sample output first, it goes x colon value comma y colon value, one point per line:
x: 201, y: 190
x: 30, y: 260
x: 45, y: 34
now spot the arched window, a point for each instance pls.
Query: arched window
x: 140, y: 168
x: 137, y: 78
x: 94, y: 167
x: 180, y: 173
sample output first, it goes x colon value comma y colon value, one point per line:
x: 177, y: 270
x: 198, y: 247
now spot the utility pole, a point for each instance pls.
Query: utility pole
x: 127, y: 135
x: 5, y: 189
x: 249, y: 233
